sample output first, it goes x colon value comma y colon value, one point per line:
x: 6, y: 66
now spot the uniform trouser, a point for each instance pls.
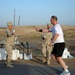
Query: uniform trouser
x: 46, y: 50
x: 9, y: 53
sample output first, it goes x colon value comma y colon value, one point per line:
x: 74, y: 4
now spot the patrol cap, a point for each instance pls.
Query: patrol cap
x: 9, y: 24
x: 48, y: 24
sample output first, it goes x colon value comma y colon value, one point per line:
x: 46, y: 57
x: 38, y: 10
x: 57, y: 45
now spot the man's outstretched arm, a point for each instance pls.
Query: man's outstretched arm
x: 42, y: 30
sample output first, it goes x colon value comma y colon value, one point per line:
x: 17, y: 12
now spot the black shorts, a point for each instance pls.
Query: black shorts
x: 58, y: 49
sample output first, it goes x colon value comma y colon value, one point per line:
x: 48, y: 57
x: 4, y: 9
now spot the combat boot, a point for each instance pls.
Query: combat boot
x: 9, y: 65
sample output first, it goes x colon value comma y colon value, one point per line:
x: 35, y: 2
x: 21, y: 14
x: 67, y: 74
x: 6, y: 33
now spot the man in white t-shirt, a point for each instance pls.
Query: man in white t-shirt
x: 58, y: 42
x: 57, y: 29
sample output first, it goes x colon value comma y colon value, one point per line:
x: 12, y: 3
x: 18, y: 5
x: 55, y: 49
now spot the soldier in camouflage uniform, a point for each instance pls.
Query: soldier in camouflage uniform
x: 46, y: 49
x: 9, y: 43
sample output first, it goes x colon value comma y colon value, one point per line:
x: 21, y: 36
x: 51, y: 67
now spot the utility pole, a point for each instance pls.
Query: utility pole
x: 19, y: 21
x: 14, y: 17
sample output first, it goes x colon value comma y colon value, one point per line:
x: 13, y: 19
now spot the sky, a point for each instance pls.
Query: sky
x: 37, y: 12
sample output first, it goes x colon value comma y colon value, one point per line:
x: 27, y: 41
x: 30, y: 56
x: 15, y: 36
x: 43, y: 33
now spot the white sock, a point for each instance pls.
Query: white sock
x: 66, y: 70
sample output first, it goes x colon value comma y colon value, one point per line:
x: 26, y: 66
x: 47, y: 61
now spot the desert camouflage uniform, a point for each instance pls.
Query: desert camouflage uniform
x: 46, y: 49
x: 9, y: 43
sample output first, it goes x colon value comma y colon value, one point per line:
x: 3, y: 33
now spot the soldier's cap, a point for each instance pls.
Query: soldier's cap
x: 48, y: 24
x: 9, y: 24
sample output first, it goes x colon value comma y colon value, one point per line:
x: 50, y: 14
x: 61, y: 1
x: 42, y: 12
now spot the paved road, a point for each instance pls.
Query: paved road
x: 24, y: 69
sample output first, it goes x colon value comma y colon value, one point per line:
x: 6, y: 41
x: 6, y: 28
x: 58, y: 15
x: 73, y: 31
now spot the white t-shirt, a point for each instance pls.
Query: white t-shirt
x: 57, y: 29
